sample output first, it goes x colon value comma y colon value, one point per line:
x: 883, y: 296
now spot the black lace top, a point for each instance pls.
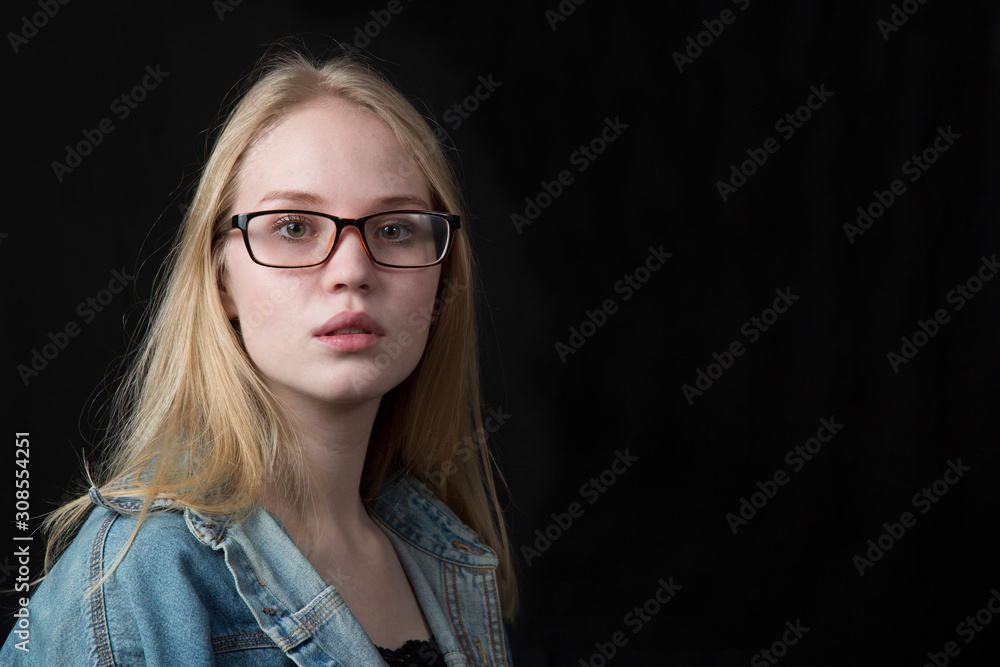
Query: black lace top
x: 414, y: 653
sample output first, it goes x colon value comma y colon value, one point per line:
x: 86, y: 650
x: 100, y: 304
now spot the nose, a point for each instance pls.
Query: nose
x: 349, y: 267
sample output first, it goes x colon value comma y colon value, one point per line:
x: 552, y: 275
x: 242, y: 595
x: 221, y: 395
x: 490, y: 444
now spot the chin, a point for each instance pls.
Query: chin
x: 367, y: 384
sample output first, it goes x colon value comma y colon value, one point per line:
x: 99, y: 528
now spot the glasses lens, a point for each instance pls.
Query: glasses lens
x: 290, y: 239
x: 407, y: 239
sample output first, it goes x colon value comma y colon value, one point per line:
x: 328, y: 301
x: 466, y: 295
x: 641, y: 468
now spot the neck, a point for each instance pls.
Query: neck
x: 334, y: 442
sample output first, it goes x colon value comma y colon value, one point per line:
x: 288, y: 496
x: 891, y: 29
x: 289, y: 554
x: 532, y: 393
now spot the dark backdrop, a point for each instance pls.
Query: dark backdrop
x: 618, y: 141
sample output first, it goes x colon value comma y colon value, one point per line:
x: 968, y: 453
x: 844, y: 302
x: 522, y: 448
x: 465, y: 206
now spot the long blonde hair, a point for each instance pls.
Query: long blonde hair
x: 193, y: 420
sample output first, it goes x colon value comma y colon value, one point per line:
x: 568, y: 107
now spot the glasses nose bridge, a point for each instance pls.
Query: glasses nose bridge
x: 358, y: 223
x: 343, y: 224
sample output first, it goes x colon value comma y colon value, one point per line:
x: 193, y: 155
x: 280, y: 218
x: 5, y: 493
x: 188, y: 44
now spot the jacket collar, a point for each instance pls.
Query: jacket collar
x: 402, y: 505
x: 407, y: 508
x: 131, y: 505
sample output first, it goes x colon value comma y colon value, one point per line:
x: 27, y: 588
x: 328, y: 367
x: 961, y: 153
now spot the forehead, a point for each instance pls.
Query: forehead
x: 334, y: 149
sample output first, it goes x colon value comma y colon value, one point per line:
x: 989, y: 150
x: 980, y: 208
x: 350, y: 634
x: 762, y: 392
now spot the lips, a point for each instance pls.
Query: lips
x: 348, y: 323
x: 349, y: 332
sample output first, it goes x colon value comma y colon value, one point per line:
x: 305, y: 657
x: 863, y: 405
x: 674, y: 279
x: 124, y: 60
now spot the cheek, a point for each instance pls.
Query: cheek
x: 262, y: 303
x: 263, y: 314
x: 422, y: 305
x: 417, y: 306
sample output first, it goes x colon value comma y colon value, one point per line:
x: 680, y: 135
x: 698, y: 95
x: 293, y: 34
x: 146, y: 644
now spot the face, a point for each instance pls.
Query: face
x: 303, y: 327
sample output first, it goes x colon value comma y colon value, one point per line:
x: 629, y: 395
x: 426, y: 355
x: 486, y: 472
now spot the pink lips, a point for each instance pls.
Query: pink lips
x: 350, y: 332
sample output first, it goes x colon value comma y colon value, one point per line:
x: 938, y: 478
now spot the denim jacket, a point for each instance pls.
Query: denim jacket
x: 194, y: 592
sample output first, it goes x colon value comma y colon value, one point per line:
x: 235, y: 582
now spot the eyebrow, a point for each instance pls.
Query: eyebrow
x: 301, y: 196
x: 400, y: 201
x: 379, y: 204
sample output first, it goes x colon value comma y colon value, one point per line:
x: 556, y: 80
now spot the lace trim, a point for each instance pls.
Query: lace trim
x: 414, y: 653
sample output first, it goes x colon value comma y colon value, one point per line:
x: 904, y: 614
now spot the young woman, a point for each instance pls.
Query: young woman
x: 300, y: 470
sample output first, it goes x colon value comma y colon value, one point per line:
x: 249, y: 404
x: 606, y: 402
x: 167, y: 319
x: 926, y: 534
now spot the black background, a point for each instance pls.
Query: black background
x: 654, y: 185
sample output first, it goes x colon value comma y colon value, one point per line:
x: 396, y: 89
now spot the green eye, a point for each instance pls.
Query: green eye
x: 296, y: 230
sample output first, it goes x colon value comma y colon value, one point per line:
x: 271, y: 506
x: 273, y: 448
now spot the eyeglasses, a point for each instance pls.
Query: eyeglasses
x: 292, y: 239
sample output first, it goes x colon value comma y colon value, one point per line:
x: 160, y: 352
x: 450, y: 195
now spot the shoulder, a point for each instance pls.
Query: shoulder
x: 163, y: 544
x: 118, y: 551
x: 170, y: 599
x: 164, y: 565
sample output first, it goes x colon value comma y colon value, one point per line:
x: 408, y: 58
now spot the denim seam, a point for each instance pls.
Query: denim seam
x: 240, y: 642
x: 457, y: 611
x: 316, y: 618
x: 489, y: 619
x: 98, y: 609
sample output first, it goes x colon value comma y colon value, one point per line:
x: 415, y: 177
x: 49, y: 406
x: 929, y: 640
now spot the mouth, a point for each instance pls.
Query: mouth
x: 350, y: 332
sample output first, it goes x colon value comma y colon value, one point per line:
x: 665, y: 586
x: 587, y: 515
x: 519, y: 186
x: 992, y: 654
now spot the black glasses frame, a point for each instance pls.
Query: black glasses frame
x: 241, y: 220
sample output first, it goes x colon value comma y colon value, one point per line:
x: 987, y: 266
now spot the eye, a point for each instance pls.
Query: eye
x: 293, y: 227
x: 392, y: 231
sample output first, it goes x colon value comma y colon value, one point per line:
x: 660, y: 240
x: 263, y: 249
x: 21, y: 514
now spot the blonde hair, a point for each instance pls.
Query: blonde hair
x: 194, y: 420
